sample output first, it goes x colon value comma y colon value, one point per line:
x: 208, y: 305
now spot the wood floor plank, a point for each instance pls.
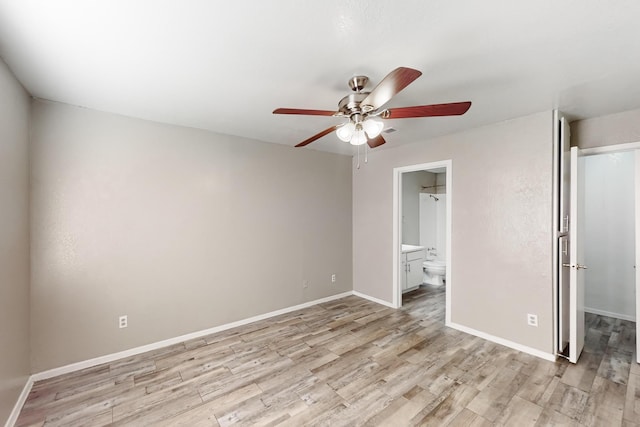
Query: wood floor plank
x: 351, y: 362
x: 581, y: 375
x: 615, y: 365
x: 357, y: 412
x: 552, y: 418
x: 404, y: 378
x: 606, y: 403
x: 447, y: 410
x: 467, y: 418
x: 541, y: 384
x: 147, y: 405
x: 240, y: 412
x: 158, y: 380
x: 216, y: 354
x: 319, y: 399
x: 492, y: 401
x: 568, y: 400
x: 386, y: 417
x: 78, y: 404
x: 86, y: 418
x: 520, y: 413
x: 416, y: 400
x: 376, y: 375
x: 632, y: 399
x: 236, y: 397
x: 198, y: 416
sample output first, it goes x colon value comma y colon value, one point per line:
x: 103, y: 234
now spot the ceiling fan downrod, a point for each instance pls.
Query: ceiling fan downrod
x: 357, y: 83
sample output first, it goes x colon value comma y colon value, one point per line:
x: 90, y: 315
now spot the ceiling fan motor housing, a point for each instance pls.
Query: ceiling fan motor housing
x: 351, y: 104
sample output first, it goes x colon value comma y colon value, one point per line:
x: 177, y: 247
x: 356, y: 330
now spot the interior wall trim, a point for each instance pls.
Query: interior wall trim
x: 514, y: 345
x: 176, y: 340
x: 628, y: 146
x: 610, y: 314
x: 13, y: 416
x: 374, y: 299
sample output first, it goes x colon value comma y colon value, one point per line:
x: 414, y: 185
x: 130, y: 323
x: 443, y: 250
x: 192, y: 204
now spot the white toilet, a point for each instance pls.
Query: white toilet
x: 434, y: 271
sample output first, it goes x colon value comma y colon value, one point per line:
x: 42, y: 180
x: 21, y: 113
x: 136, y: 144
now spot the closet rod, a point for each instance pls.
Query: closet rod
x: 433, y: 186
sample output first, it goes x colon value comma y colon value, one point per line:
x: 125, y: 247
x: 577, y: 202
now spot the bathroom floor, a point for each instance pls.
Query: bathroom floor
x: 351, y: 362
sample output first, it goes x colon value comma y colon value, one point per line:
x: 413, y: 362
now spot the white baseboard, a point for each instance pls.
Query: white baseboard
x: 15, y: 412
x: 610, y: 314
x: 373, y: 299
x: 176, y: 340
x: 523, y: 348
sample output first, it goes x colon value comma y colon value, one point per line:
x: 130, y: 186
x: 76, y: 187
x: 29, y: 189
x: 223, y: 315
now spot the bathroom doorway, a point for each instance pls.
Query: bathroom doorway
x: 422, y: 220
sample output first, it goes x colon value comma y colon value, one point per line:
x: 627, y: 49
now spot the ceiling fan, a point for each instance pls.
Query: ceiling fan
x: 364, y: 108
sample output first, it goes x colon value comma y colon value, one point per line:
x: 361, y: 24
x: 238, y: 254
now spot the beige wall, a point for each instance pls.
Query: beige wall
x: 180, y: 229
x: 600, y: 131
x: 501, y: 220
x: 14, y: 240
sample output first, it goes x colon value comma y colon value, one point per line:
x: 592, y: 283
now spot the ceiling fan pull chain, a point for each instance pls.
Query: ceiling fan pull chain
x: 358, y: 163
x: 366, y: 153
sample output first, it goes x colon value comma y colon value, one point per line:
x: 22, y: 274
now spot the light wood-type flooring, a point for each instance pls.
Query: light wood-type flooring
x: 351, y: 362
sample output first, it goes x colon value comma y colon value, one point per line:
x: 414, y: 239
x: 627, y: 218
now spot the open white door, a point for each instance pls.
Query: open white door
x: 576, y: 257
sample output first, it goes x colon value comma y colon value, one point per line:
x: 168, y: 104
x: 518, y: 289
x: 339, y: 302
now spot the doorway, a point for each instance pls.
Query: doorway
x: 404, y: 222
x: 621, y: 162
x: 609, y: 233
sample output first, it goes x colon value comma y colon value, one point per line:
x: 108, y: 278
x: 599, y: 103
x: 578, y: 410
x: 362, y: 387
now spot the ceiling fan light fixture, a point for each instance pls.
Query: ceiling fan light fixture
x: 372, y: 127
x: 345, y: 132
x: 358, y: 137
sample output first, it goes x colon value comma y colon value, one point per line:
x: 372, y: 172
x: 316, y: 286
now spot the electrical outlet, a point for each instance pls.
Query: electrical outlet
x: 123, y: 321
x: 305, y: 284
x: 532, y: 320
x: 333, y: 278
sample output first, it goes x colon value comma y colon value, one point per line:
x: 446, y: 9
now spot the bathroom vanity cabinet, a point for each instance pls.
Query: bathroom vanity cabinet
x: 412, y: 259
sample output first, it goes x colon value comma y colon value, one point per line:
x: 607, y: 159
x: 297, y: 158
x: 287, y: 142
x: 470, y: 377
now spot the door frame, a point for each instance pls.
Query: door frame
x: 397, y: 229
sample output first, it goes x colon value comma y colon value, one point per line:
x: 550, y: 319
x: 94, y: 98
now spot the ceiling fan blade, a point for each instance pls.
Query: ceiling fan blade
x: 376, y: 142
x: 317, y: 136
x: 303, y: 112
x: 393, y: 83
x: 451, y: 109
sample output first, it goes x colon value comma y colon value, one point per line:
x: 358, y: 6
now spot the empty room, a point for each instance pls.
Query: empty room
x: 319, y: 213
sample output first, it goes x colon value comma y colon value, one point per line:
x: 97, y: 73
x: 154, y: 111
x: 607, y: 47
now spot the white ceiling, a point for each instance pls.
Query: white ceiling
x: 224, y: 66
